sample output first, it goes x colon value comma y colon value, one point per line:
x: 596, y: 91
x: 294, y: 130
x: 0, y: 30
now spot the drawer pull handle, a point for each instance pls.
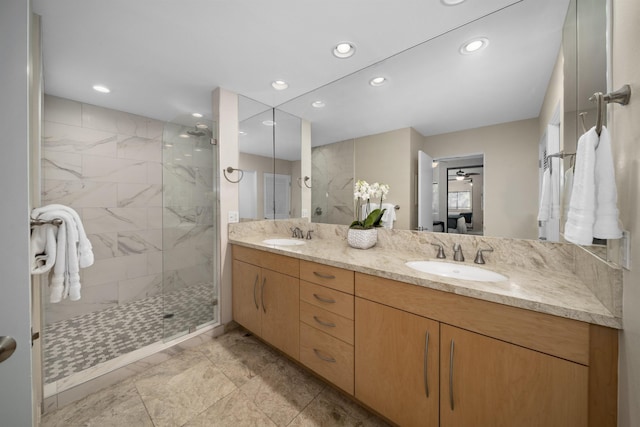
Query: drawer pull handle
x: 325, y: 358
x: 324, y: 275
x: 426, y: 358
x: 324, y: 299
x: 451, y: 375
x: 264, y: 307
x: 255, y: 300
x: 323, y: 323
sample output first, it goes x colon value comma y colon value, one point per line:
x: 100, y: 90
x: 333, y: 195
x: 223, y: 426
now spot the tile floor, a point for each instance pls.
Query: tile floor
x: 81, y: 342
x: 232, y: 380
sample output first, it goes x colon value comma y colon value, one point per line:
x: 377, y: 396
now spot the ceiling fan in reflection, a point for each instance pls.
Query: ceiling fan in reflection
x: 461, y: 175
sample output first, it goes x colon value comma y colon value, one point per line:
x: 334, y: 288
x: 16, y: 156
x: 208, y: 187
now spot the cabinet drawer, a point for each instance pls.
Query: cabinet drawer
x: 326, y: 321
x: 327, y: 356
x: 328, y: 299
x: 280, y: 263
x: 332, y: 277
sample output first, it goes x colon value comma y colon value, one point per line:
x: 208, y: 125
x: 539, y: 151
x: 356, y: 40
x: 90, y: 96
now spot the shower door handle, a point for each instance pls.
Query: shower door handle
x: 7, y: 347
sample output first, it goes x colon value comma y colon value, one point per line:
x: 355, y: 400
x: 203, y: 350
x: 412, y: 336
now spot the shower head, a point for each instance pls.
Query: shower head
x: 196, y: 132
x: 200, y: 130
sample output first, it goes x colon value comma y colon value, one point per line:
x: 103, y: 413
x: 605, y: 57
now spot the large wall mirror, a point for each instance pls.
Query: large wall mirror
x: 451, y: 106
x: 269, y: 142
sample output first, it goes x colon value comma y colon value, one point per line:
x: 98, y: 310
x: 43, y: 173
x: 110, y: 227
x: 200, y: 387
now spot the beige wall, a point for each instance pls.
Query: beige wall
x: 225, y: 112
x: 553, y: 97
x: 625, y: 127
x: 510, y: 173
x: 261, y: 164
x: 385, y: 158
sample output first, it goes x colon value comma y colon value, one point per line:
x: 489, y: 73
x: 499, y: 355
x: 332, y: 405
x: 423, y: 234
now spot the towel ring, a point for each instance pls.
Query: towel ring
x: 231, y: 170
x: 305, y: 180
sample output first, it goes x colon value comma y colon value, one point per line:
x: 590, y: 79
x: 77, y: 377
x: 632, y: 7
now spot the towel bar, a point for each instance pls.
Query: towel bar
x: 37, y: 222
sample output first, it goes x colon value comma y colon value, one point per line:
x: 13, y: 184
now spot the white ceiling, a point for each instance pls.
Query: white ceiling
x: 163, y: 58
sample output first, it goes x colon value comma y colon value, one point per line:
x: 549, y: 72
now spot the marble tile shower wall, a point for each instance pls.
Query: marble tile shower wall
x: 332, y: 168
x: 107, y: 165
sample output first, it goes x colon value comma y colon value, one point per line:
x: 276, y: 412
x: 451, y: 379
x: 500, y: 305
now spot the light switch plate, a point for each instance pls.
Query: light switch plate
x: 305, y: 213
x: 234, y: 216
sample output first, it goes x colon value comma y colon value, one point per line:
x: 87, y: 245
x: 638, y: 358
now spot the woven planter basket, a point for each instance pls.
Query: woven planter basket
x: 362, y: 239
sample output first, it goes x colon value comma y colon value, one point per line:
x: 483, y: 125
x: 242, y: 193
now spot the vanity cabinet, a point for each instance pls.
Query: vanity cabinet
x: 266, y: 297
x: 423, y: 357
x: 327, y: 322
x: 496, y: 365
x: 485, y: 381
x: 397, y: 364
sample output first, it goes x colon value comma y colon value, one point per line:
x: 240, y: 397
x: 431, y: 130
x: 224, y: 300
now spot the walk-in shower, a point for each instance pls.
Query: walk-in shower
x: 146, y: 192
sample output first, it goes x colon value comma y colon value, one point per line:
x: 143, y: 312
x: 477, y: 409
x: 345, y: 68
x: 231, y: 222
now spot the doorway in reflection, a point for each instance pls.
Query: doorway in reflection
x: 458, y: 199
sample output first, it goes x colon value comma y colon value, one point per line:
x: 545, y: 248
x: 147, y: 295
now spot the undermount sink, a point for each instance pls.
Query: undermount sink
x: 283, y: 242
x: 456, y: 271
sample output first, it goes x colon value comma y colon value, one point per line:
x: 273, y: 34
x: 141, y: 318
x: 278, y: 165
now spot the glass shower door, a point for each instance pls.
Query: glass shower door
x: 189, y: 173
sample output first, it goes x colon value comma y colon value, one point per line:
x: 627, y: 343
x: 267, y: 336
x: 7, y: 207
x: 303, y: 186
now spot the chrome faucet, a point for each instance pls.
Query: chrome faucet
x: 297, y: 233
x: 441, y: 254
x: 479, y: 258
x: 457, y: 252
x: 309, y: 234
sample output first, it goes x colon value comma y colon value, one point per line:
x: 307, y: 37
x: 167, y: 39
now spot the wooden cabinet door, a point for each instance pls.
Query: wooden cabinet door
x: 280, y: 304
x: 246, y: 296
x: 396, y: 365
x: 487, y: 382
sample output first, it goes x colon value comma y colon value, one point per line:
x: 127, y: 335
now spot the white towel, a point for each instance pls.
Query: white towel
x: 566, y: 196
x: 594, y: 195
x: 85, y: 250
x: 389, y: 215
x: 544, y: 211
x: 579, y: 226
x: 606, y: 225
x: 43, y: 248
x: 73, y: 250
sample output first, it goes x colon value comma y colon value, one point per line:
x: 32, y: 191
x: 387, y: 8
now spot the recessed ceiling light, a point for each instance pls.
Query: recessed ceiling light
x: 196, y: 115
x: 377, y: 81
x: 201, y: 126
x: 279, y: 85
x: 269, y: 123
x: 101, y: 89
x: 243, y: 133
x: 318, y: 104
x: 168, y: 145
x: 451, y: 2
x: 187, y: 155
x: 183, y: 135
x: 344, y: 50
x: 474, y: 46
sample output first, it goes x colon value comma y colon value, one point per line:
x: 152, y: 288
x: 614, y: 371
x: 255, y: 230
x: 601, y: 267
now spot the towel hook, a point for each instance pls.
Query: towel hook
x: 305, y: 180
x: 620, y: 96
x: 231, y: 170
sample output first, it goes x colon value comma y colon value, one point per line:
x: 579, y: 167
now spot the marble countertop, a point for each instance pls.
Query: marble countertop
x: 558, y: 293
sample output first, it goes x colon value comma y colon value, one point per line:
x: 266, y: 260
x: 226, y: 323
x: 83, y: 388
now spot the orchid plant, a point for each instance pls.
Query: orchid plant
x: 362, y: 194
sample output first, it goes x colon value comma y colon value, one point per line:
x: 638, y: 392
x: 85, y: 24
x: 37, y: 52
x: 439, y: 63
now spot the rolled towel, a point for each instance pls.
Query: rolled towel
x: 43, y: 248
